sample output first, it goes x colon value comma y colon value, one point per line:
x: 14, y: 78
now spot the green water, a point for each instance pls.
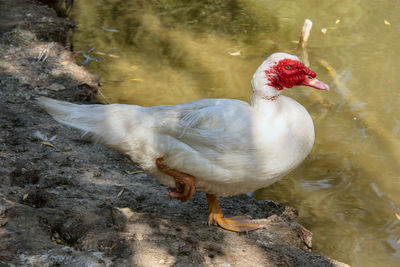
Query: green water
x: 348, y: 189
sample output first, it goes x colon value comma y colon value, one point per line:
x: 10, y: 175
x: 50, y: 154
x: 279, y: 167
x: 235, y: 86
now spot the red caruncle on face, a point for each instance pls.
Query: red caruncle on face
x: 287, y: 73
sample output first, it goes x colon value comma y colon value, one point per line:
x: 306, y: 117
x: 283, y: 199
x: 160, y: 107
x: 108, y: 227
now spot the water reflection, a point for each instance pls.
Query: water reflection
x: 167, y: 52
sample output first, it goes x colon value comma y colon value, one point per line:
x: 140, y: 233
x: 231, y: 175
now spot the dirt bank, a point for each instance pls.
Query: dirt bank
x: 67, y: 202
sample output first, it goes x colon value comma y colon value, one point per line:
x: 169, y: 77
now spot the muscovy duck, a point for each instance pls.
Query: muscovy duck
x: 221, y: 147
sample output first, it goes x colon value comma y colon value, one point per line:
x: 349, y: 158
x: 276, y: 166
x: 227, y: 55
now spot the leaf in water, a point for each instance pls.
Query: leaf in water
x: 46, y: 143
x: 132, y: 172
x: 337, y: 21
x: 3, y: 223
x: 136, y: 80
x: 397, y: 216
x: 324, y: 30
x: 386, y: 22
x: 25, y: 196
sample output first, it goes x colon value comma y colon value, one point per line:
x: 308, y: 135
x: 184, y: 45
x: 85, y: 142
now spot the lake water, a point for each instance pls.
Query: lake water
x: 168, y: 52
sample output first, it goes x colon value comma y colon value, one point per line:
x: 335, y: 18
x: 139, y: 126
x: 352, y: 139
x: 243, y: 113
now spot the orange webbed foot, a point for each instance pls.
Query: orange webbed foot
x: 185, y: 185
x: 236, y: 224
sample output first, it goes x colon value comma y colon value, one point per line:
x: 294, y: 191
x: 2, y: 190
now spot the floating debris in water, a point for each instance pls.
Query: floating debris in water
x: 105, y: 54
x: 88, y: 58
x: 386, y: 22
x: 305, y: 34
x: 136, y: 80
x: 337, y: 21
x: 324, y: 30
x: 376, y: 189
x: 109, y: 29
x: 237, y: 53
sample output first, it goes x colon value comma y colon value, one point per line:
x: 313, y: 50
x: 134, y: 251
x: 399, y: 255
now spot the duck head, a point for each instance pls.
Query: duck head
x: 280, y: 71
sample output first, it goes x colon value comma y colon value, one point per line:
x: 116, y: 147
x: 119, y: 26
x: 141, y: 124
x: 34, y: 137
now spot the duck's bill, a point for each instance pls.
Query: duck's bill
x: 315, y: 83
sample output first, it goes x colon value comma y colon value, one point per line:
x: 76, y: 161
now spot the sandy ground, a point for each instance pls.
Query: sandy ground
x: 65, y: 201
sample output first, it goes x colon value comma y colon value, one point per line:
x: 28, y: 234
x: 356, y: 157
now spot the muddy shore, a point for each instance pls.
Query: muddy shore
x: 65, y: 201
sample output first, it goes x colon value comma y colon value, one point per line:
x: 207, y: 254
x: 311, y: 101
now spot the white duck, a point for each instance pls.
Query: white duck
x: 218, y: 146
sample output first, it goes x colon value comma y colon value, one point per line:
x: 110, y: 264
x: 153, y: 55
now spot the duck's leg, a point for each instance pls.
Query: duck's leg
x: 235, y: 224
x: 184, y: 183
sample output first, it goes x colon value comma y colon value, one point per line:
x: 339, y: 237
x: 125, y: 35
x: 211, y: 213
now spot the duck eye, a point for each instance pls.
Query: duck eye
x: 288, y: 67
x: 310, y: 77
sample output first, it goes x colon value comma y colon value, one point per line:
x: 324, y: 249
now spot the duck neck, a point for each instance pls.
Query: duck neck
x: 266, y: 97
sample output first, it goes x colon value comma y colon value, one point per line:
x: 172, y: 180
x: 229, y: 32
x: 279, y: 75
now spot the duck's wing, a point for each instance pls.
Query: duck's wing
x: 210, y: 139
x: 218, y: 124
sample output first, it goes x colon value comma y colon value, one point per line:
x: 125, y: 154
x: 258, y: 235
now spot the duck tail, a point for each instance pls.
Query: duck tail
x: 103, y: 122
x: 83, y: 117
